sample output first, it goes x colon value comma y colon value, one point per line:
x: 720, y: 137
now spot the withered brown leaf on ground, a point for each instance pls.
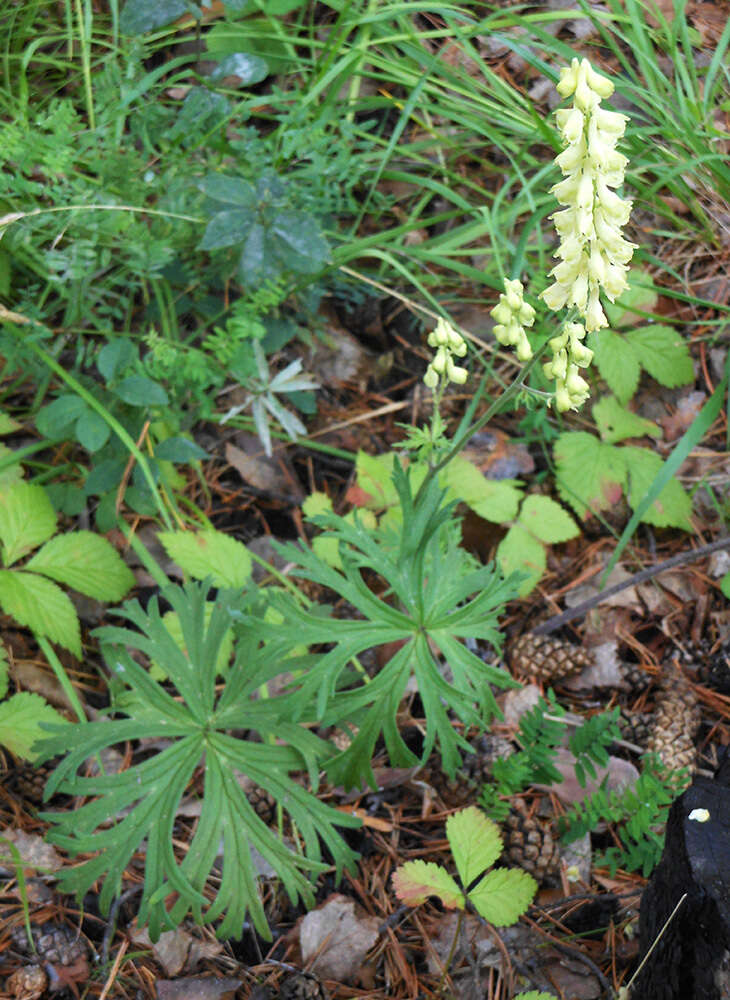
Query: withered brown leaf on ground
x: 336, y: 937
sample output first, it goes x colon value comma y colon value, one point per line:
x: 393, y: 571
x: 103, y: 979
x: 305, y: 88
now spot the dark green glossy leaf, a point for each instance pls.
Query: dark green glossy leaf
x: 138, y: 390
x: 227, y: 228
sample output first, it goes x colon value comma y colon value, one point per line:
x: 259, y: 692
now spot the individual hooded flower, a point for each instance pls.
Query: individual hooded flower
x: 513, y: 314
x: 448, y: 343
x: 594, y: 255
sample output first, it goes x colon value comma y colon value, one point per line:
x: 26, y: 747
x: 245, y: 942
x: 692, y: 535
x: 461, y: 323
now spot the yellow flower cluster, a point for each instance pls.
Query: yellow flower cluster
x: 569, y: 354
x: 593, y: 252
x: 513, y: 314
x: 447, y: 343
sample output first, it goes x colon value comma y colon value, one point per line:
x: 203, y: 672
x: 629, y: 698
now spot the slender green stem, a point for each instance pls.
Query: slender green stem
x: 62, y: 677
x: 461, y: 439
x: 86, y: 62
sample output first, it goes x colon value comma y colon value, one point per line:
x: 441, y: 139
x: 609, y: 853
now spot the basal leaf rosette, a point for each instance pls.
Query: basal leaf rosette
x: 428, y: 598
x: 191, y: 725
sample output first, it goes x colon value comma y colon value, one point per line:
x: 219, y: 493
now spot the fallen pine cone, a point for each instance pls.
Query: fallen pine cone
x: 545, y: 658
x: 676, y: 720
x: 529, y: 843
x: 27, y: 983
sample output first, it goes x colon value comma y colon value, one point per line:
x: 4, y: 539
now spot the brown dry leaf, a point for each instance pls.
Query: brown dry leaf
x: 336, y: 937
x: 170, y: 951
x: 709, y: 20
x: 606, y: 671
x: 573, y: 979
x: 619, y: 774
x: 515, y: 703
x: 339, y: 357
x: 34, y: 852
x: 30, y: 677
x: 268, y: 475
x: 198, y: 988
x: 688, y: 406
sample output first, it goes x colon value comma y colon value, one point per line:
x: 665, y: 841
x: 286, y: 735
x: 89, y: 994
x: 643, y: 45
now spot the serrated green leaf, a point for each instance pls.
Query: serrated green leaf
x: 247, y: 67
x: 27, y: 519
x: 493, y: 499
x: 4, y: 669
x: 547, y: 520
x: 41, y: 606
x: 231, y: 190
x: 92, y: 431
x: 475, y: 843
x: 374, y: 477
x: 616, y: 423
x: 503, y: 895
x: 520, y: 552
x: 139, y: 16
x: 315, y: 504
x: 227, y: 228
x: 138, y: 390
x: 663, y: 353
x: 85, y: 561
x: 673, y: 506
x: 7, y: 424
x: 211, y: 554
x: 591, y: 475
x: 20, y: 722
x: 617, y: 363
x: 299, y: 245
x: 415, y: 881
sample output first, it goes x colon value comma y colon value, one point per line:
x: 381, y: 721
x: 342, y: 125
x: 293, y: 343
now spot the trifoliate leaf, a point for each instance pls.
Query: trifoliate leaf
x: 547, y: 520
x: 503, y: 895
x: 27, y: 519
x: 86, y: 562
x: 209, y: 553
x: 591, y: 475
x: 673, y: 507
x: 475, y: 843
x: 20, y: 722
x: 520, y: 552
x: 415, y: 881
x: 493, y: 499
x: 663, y: 353
x: 41, y: 606
x: 615, y: 422
x: 3, y: 671
x: 617, y: 363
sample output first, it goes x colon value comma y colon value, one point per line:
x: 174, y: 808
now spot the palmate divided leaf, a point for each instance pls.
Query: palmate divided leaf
x: 138, y: 807
x: 431, y: 600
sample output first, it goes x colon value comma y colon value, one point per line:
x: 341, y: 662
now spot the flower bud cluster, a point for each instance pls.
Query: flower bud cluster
x: 513, y: 314
x: 447, y: 343
x: 569, y: 354
x: 593, y: 252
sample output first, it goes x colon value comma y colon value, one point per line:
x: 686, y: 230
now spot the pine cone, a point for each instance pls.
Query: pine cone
x: 676, y: 719
x: 528, y: 842
x: 54, y: 944
x: 476, y: 769
x: 30, y: 780
x: 545, y: 658
x: 302, y: 986
x: 27, y: 983
x: 634, y: 677
x: 635, y: 726
x: 263, y: 804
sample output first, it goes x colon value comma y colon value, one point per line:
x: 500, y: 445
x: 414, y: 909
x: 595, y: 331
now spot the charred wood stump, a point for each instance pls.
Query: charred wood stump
x: 691, y: 959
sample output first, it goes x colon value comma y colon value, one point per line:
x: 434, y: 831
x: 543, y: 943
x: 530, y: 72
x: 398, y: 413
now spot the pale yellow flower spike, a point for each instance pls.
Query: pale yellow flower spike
x: 594, y: 255
x: 447, y: 343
